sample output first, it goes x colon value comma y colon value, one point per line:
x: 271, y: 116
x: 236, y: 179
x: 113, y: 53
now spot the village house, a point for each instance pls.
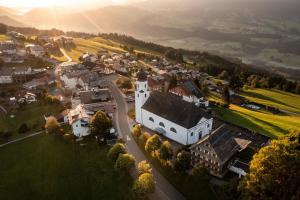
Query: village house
x: 35, y: 50
x: 6, y: 76
x: 95, y: 96
x: 190, y: 93
x: 8, y: 47
x: 169, y: 114
x: 216, y: 151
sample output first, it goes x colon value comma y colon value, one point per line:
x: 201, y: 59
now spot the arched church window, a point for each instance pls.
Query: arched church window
x: 161, y: 124
x: 173, y: 130
x: 151, y: 119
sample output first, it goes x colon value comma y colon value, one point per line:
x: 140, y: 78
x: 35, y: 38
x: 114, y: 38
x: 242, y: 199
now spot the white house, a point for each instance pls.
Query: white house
x: 169, y: 114
x: 6, y: 76
x: 8, y: 47
x: 79, y: 120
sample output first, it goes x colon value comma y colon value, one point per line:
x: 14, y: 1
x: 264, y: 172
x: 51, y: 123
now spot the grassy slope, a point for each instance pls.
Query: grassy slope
x: 275, y: 98
x: 47, y: 167
x: 4, y: 37
x: 262, y: 122
x: 30, y: 114
x: 91, y: 46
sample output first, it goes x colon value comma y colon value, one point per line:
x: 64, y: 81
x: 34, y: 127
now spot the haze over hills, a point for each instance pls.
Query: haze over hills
x: 263, y: 32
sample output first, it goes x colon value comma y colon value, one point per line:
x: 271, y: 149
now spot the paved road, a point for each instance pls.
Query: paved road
x: 3, y: 109
x: 164, y: 190
x: 20, y: 139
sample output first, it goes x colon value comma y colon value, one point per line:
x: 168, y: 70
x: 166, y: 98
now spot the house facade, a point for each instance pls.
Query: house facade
x: 216, y: 152
x: 169, y: 115
x: 8, y: 47
x: 6, y: 76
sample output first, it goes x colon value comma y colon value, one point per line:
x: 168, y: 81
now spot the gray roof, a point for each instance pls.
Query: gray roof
x: 223, y: 142
x: 174, y: 109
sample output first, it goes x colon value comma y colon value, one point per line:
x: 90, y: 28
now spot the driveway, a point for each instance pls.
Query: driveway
x: 164, y: 190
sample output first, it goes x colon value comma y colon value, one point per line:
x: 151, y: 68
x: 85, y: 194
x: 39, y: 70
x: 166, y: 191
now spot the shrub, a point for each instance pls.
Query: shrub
x: 144, y: 137
x: 152, y: 144
x: 165, y: 151
x: 23, y: 128
x: 144, y: 167
x: 183, y: 161
x: 144, y: 185
x: 52, y: 126
x: 115, y: 151
x: 124, y: 163
x: 136, y: 131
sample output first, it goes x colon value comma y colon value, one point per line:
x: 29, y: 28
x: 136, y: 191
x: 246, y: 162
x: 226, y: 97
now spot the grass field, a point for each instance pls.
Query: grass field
x: 47, y: 167
x: 4, y: 37
x: 275, y: 98
x: 259, y: 121
x: 32, y: 115
x: 91, y: 46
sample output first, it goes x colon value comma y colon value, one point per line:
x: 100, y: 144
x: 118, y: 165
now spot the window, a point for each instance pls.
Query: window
x: 161, y: 124
x: 207, y: 125
x: 173, y: 130
x: 192, y: 134
x: 145, y: 95
x: 151, y: 119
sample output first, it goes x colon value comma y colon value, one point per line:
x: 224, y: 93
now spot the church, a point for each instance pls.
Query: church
x: 170, y: 115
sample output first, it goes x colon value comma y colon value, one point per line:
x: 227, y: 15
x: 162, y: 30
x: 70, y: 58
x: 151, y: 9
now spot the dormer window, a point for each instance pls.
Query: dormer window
x: 173, y: 130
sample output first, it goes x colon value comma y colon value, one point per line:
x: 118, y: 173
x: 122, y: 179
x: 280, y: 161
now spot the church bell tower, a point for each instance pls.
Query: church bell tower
x: 142, y: 93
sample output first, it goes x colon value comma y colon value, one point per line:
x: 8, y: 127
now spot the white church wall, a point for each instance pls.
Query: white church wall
x: 181, y: 133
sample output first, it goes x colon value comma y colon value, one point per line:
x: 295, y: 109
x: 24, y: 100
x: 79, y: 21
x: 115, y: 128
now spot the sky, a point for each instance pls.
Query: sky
x: 42, y: 3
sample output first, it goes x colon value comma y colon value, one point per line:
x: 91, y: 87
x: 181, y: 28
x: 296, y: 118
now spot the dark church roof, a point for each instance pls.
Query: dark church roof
x: 142, y: 75
x: 174, y: 109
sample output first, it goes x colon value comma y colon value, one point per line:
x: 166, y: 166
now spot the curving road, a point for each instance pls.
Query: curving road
x: 164, y: 190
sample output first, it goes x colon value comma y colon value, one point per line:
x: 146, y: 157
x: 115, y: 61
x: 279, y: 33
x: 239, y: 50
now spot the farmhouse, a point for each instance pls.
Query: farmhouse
x: 35, y: 50
x: 169, y: 114
x: 216, y: 151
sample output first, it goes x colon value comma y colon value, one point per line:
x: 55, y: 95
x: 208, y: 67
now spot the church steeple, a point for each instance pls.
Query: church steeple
x: 142, y: 93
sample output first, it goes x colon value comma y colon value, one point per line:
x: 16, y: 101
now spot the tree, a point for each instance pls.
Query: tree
x: 144, y: 137
x: 199, y: 172
x: 100, y: 124
x: 144, y: 167
x: 115, y: 151
x: 136, y: 131
x: 165, y: 151
x: 3, y: 29
x: 144, y: 185
x: 126, y: 84
x: 183, y: 161
x: 274, y: 171
x: 52, y: 126
x: 124, y: 163
x: 23, y: 128
x: 226, y: 95
x: 223, y: 75
x: 153, y: 144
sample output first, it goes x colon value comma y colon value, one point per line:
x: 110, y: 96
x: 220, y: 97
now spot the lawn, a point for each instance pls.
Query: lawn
x: 91, y: 46
x: 4, y: 37
x: 259, y: 121
x: 275, y: 98
x: 32, y: 115
x: 47, y: 167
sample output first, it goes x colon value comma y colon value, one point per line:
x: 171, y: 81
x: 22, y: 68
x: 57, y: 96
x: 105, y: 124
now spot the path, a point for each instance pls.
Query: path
x: 69, y: 59
x: 20, y: 139
x: 164, y: 190
x: 3, y: 109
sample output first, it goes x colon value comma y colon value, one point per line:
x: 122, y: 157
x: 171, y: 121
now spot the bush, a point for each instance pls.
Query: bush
x: 183, y: 161
x: 23, y: 128
x: 52, y: 126
x: 124, y: 163
x: 144, y: 137
x: 144, y: 185
x: 165, y: 151
x: 136, y: 131
x: 115, y: 151
x: 152, y: 144
x: 144, y: 167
